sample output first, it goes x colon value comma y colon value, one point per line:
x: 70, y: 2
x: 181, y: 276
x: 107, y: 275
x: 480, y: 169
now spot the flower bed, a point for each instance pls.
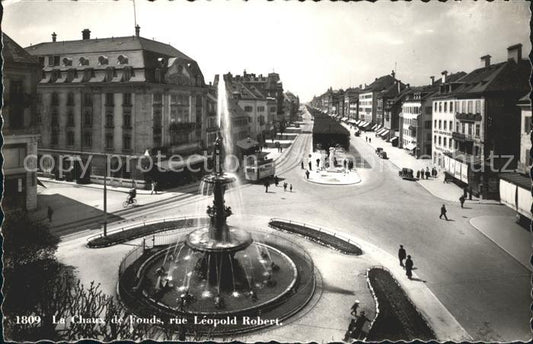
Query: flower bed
x: 317, y: 236
x: 398, y: 319
x: 139, y: 232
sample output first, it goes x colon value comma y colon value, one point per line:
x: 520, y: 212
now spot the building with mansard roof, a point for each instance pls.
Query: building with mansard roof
x: 120, y: 95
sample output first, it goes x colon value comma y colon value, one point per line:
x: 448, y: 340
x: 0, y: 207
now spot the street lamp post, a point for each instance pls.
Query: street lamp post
x: 105, y: 196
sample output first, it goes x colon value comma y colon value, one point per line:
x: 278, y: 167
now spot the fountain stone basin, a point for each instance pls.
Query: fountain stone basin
x: 203, y: 241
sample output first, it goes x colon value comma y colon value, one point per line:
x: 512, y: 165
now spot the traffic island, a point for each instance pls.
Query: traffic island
x: 397, y: 318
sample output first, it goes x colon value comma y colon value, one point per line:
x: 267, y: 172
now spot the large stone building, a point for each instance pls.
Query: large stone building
x: 21, y: 73
x: 368, y: 99
x: 469, y: 117
x: 415, y: 121
x: 125, y: 96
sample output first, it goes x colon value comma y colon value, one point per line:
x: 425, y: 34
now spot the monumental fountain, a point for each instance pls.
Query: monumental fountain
x: 217, y: 270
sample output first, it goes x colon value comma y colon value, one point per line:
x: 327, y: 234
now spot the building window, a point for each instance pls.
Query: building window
x: 440, y: 140
x: 158, y: 98
x: 109, y: 119
x: 470, y: 106
x: 53, y: 60
x: 527, y: 124
x: 440, y: 124
x: 126, y: 99
x: 54, y: 140
x: 70, y: 119
x: 109, y: 99
x: 70, y: 98
x: 260, y: 109
x: 55, y: 99
x: 248, y: 109
x: 445, y: 106
x: 445, y: 124
x: 435, y: 106
x: 54, y: 119
x: 478, y: 106
x: 440, y: 106
x: 451, y: 106
x: 457, y: 127
x: 126, y: 142
x: 87, y: 99
x: 435, y: 124
x: 470, y: 129
x: 88, y: 119
x: 122, y: 59
x: 70, y: 138
x: 435, y: 139
x: 451, y: 125
x: 478, y: 130
x: 87, y: 139
x: 109, y: 141
x: 126, y: 120
x: 444, y: 142
x: 427, y: 125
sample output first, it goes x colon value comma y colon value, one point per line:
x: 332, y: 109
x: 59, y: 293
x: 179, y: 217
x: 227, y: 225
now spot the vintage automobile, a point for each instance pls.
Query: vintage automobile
x: 383, y: 155
x: 379, y: 150
x: 406, y: 173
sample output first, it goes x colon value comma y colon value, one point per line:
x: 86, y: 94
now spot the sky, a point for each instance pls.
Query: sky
x: 312, y: 45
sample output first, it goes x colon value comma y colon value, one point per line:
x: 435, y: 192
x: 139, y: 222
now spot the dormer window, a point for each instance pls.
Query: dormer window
x: 88, y: 73
x: 161, y: 61
x: 103, y: 60
x: 84, y: 61
x: 122, y: 59
x: 67, y: 61
x: 55, y: 74
x: 127, y: 73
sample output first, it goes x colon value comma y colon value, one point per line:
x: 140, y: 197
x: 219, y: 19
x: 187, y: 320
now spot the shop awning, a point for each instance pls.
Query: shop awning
x: 374, y: 127
x: 344, y: 119
x: 247, y: 143
x: 384, y: 132
x: 410, y: 146
x: 364, y: 124
x: 380, y: 131
x: 357, y: 122
x: 395, y: 138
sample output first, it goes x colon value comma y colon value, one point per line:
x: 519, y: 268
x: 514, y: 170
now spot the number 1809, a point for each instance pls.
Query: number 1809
x: 28, y: 320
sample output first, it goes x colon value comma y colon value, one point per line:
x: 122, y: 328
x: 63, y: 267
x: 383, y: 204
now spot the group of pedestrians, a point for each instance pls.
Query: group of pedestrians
x: 420, y: 174
x: 355, y: 328
x: 276, y: 183
x: 408, y: 266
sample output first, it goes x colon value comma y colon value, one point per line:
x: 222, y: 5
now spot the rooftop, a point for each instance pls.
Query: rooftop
x: 14, y: 53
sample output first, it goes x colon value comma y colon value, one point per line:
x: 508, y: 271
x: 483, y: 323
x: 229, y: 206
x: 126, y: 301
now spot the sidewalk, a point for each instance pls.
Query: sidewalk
x: 402, y: 159
x: 73, y: 202
x: 508, y: 235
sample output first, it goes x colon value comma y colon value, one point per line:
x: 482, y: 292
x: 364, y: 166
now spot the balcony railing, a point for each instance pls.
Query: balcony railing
x: 462, y: 137
x: 184, y: 126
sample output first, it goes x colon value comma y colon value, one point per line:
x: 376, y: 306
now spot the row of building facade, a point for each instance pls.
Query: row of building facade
x: 128, y: 97
x: 468, y: 124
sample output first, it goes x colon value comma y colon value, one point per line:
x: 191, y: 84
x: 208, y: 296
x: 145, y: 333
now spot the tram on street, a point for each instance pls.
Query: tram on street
x: 257, y: 166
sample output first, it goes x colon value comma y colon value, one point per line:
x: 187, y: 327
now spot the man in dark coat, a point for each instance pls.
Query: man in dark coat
x: 401, y: 254
x: 307, y: 173
x: 310, y: 166
x: 267, y: 184
x: 409, y: 267
x: 443, y: 212
x: 462, y: 200
x: 417, y: 174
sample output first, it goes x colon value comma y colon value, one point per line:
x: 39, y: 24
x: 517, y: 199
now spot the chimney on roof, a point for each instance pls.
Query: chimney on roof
x: 393, y: 74
x: 137, y: 30
x: 86, y: 34
x: 514, y: 52
x: 54, y: 36
x: 444, y: 75
x: 432, y: 80
x: 486, y: 60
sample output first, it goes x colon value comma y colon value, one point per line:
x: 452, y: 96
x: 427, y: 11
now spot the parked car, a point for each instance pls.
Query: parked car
x: 406, y: 173
x: 357, y: 133
x: 383, y: 155
x: 379, y: 150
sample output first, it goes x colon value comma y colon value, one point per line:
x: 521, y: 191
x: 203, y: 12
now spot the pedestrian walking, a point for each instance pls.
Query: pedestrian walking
x: 366, y: 139
x: 369, y: 140
x: 285, y: 186
x: 50, y: 212
x: 409, y: 267
x: 427, y: 173
x: 307, y: 173
x: 310, y: 166
x: 354, y: 308
x: 470, y: 193
x: 417, y: 174
x: 422, y: 173
x: 276, y: 181
x: 443, y: 212
x: 401, y: 254
x: 465, y: 191
x: 462, y: 200
x: 290, y: 187
x: 154, y: 190
x: 445, y: 179
x: 317, y: 163
x: 267, y: 184
x: 302, y: 164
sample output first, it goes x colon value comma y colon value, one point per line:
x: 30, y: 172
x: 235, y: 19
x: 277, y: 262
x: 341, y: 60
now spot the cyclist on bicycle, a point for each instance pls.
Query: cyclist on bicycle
x: 131, y: 195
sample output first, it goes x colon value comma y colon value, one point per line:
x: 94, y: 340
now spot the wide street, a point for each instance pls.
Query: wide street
x: 483, y: 287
